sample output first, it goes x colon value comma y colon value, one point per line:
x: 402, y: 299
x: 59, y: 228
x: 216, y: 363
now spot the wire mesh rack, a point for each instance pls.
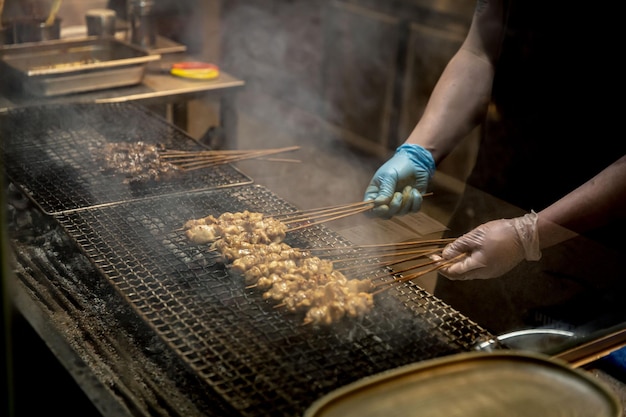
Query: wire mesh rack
x: 48, y: 152
x: 258, y: 358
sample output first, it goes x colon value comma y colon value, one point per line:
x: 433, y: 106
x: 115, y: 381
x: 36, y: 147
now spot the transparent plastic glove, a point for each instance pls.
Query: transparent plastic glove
x: 397, y: 186
x: 493, y: 248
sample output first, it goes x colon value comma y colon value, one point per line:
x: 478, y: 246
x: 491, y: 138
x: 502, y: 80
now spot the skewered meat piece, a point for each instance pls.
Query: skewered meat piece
x: 268, y: 280
x: 281, y: 288
x: 359, y: 285
x: 284, y: 250
x: 231, y: 253
x: 304, y: 284
x: 254, y: 266
x: 254, y: 237
x: 317, y: 266
x: 335, y: 302
x: 241, y: 216
x: 253, y: 245
x: 202, y: 221
x: 358, y: 304
x: 139, y: 162
x: 254, y: 254
x: 235, y: 228
x: 203, y: 233
x: 324, y: 314
x: 328, y: 288
x: 263, y: 270
x: 354, y: 305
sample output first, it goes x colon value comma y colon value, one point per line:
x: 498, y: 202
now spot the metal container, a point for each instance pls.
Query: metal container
x: 71, y: 66
x: 142, y: 25
x: 100, y: 22
x: 35, y: 30
x: 473, y: 385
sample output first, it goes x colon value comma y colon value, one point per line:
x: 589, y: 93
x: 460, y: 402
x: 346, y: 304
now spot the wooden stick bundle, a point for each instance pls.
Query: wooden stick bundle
x: 190, y: 160
x: 438, y: 264
x: 418, y: 254
x: 325, y: 214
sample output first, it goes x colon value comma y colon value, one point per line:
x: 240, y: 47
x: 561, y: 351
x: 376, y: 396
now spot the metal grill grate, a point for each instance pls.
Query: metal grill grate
x: 47, y: 152
x: 260, y: 359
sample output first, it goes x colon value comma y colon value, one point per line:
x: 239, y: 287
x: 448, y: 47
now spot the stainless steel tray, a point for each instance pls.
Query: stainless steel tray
x: 69, y: 66
x: 473, y: 385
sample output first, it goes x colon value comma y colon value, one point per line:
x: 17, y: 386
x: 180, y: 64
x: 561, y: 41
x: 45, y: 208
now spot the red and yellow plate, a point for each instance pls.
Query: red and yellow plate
x: 195, y: 69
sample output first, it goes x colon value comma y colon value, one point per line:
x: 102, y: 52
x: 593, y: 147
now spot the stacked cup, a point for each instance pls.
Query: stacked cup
x: 100, y: 22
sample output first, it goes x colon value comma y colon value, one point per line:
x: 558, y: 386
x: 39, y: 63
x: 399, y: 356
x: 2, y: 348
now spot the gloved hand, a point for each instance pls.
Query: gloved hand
x: 493, y: 248
x: 397, y: 186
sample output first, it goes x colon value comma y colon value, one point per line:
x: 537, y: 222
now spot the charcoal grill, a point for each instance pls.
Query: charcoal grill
x: 47, y: 151
x: 254, y: 356
x: 248, y: 358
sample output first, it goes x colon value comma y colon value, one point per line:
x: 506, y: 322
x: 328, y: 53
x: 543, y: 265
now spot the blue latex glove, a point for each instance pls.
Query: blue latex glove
x: 397, y: 187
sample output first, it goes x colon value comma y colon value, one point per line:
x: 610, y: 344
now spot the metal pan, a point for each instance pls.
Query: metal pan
x: 475, y: 384
x: 72, y: 66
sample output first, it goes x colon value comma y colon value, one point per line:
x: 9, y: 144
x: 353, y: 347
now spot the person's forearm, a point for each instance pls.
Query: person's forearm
x: 592, y: 205
x: 457, y: 105
x: 461, y: 97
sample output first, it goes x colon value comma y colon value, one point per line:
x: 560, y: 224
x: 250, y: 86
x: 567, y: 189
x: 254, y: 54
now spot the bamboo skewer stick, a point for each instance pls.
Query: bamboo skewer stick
x: 329, y: 209
x: 350, y: 213
x: 173, y: 153
x: 410, y: 276
x: 306, y: 214
x: 328, y: 213
x: 199, y: 161
x: 412, y: 253
x: 190, y: 160
x: 438, y: 265
x: 321, y: 215
x: 424, y: 254
x: 385, y: 264
x: 395, y: 245
x: 414, y: 267
x: 295, y: 161
x: 378, y: 247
